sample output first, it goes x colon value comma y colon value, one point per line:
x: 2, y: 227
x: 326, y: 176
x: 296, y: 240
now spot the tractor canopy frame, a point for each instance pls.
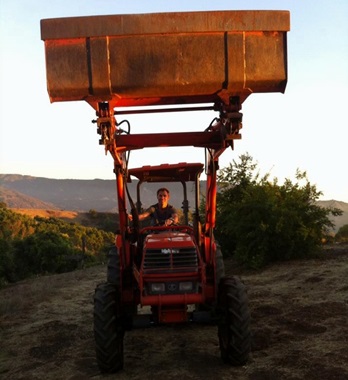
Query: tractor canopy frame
x: 182, y: 172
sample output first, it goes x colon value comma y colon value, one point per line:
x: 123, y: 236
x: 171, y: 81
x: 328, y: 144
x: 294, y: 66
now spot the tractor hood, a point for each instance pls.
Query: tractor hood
x: 170, y: 252
x: 169, y: 240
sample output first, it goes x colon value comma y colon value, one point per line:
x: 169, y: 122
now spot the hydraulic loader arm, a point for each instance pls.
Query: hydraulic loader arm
x: 217, y: 57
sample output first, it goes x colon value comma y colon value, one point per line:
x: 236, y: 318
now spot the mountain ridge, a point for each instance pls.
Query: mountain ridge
x: 16, y: 199
x: 28, y: 192
x: 82, y: 195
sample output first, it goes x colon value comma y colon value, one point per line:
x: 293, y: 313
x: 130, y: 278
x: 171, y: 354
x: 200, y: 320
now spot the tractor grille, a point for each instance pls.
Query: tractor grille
x: 171, y: 260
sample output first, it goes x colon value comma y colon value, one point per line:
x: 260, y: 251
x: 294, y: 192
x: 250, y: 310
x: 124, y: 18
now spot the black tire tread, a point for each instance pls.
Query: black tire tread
x: 234, y: 326
x: 108, y: 329
x: 113, y: 268
x: 219, y: 266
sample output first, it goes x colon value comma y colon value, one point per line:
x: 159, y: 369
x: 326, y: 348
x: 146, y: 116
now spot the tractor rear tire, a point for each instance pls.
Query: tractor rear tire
x: 113, y: 271
x: 108, y: 328
x: 234, y: 323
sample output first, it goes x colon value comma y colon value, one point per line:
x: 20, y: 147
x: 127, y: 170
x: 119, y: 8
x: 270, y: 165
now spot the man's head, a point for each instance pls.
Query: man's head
x: 163, y: 197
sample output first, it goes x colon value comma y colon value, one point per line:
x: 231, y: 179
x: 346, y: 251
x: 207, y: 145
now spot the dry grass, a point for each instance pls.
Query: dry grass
x: 299, y: 326
x: 47, y: 213
x: 17, y: 298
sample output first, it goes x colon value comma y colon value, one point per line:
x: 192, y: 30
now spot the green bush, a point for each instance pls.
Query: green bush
x: 36, y: 246
x: 14, y: 225
x: 7, y: 264
x: 43, y: 252
x: 260, y: 221
x: 342, y: 234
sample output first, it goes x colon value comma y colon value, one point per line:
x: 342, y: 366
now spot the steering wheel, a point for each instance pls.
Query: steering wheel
x: 163, y: 224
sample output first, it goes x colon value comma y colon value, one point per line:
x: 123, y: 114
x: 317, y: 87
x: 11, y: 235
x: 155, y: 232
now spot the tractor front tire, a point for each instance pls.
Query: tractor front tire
x: 113, y: 270
x: 234, y: 323
x: 219, y: 265
x: 108, y: 328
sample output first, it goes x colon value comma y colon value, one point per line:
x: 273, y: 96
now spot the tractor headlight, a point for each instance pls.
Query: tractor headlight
x: 177, y: 287
x: 186, y: 286
x: 157, y: 287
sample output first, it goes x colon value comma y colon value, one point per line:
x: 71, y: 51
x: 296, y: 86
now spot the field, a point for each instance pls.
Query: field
x: 61, y: 214
x: 299, y: 323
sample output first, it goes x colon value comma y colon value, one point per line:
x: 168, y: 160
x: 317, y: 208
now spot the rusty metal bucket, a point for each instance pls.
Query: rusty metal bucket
x: 166, y: 58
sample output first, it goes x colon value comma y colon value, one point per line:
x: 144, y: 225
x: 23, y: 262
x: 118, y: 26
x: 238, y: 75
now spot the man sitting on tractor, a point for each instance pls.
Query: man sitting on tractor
x: 161, y: 214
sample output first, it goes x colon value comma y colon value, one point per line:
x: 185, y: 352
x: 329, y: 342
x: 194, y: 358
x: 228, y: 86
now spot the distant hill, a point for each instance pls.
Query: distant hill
x: 15, y: 199
x: 338, y: 220
x: 27, y: 192
x: 78, y: 195
x: 65, y: 194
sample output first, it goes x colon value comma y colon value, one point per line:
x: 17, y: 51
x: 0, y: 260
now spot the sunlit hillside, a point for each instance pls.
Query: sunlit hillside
x: 81, y: 196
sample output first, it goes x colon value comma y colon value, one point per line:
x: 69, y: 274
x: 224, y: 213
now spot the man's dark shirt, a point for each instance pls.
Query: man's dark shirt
x: 160, y: 216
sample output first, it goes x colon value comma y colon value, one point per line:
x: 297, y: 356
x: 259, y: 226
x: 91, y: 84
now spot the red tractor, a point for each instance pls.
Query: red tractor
x: 169, y: 272
x: 163, y: 59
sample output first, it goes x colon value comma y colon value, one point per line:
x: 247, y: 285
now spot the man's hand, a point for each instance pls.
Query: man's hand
x: 169, y: 222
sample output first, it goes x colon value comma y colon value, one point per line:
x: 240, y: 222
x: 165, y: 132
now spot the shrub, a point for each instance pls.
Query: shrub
x: 263, y: 221
x: 7, y: 265
x: 35, y: 246
x: 342, y: 234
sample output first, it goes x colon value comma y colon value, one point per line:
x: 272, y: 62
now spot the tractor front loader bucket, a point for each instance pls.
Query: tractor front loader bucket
x: 165, y: 58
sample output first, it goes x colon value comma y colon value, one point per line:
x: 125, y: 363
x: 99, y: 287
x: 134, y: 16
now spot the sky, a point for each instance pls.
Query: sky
x: 306, y: 128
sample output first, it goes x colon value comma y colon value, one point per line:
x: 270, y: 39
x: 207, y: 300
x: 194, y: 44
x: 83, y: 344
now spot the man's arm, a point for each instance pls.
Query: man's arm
x: 141, y: 216
x: 174, y: 218
x: 144, y: 215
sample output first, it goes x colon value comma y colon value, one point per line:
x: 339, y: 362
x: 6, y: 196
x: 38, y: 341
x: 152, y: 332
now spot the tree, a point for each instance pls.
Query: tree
x: 261, y: 221
x: 14, y: 225
x: 7, y: 265
x: 40, y: 245
x: 342, y: 234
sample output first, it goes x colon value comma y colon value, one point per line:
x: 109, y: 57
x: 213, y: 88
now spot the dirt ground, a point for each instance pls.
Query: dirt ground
x: 299, y: 322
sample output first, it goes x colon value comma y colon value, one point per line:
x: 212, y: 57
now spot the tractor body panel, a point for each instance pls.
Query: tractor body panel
x: 172, y: 275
